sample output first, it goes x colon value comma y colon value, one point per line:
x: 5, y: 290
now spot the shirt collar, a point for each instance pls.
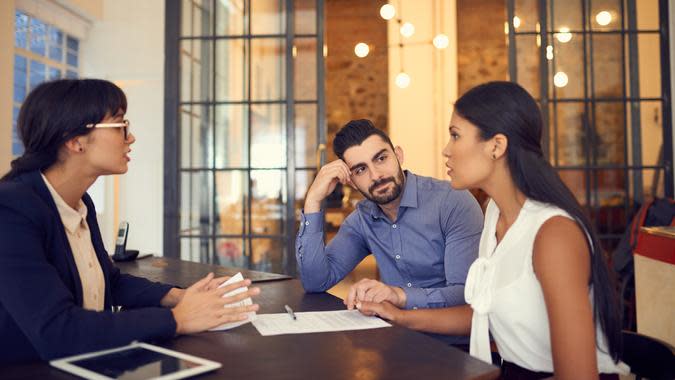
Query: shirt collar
x: 408, y: 197
x: 71, y: 218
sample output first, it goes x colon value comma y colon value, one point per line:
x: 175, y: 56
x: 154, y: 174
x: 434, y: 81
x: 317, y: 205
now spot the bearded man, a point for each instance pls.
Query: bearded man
x: 424, y: 235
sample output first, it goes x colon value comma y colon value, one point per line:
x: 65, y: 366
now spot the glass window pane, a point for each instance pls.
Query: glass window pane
x: 652, y: 182
x: 268, y: 17
x: 609, y: 140
x: 268, y: 136
x: 38, y: 31
x: 196, y: 207
x: 566, y: 68
x: 527, y: 13
x: 527, y: 58
x: 196, y: 249
x: 71, y: 74
x: 649, y: 128
x: 17, y: 145
x: 202, y: 18
x: 231, y: 202
x: 576, y: 181
x: 568, y: 144
x: 305, y: 69
x: 231, y: 136
x: 56, y: 53
x: 306, y: 132
x: 267, y: 255
x: 305, y: 16
x: 268, y: 197
x: 607, y: 65
x: 566, y: 16
x: 196, y: 59
x: 54, y: 73
x: 186, y: 18
x: 37, y: 73
x: 73, y: 44
x: 71, y: 59
x: 608, y: 188
x: 20, y: 78
x: 303, y: 179
x: 20, y: 30
x: 231, y: 253
x: 647, y: 14
x: 268, y: 69
x: 196, y: 137
x: 231, y: 70
x: 605, y: 15
x: 649, y: 53
x: 230, y: 17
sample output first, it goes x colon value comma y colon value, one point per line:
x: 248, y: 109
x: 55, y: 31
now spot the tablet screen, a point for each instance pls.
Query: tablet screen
x: 134, y: 363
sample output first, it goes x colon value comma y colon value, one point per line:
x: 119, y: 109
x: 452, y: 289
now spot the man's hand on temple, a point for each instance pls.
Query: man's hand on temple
x: 324, y: 184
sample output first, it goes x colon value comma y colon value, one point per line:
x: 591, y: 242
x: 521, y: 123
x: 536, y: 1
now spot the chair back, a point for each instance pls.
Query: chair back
x: 648, y: 357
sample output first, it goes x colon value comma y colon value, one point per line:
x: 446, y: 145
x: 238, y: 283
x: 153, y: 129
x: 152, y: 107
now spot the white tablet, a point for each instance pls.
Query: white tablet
x: 135, y: 361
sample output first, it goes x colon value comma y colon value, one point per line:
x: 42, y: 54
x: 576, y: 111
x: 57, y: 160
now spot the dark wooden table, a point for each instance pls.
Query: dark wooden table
x: 386, y: 353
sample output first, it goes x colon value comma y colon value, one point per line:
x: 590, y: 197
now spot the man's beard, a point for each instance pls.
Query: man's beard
x: 389, y: 196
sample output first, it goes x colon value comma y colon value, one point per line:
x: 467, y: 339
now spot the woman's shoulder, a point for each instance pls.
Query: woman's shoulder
x: 17, y: 197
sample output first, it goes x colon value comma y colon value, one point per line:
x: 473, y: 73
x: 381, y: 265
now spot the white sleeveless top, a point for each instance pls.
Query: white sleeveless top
x: 507, y: 299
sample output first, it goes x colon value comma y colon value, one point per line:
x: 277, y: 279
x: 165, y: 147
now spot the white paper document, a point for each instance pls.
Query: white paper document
x: 315, y: 321
x: 245, y: 302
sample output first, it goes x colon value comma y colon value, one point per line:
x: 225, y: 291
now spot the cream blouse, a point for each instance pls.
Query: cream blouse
x: 79, y: 238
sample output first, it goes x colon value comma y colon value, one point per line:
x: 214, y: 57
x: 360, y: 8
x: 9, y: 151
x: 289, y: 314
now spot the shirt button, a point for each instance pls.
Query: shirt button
x: 393, y: 226
x: 307, y: 223
x: 398, y: 257
x: 409, y: 285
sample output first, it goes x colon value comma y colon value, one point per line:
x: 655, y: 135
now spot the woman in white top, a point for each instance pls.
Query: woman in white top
x: 540, y: 285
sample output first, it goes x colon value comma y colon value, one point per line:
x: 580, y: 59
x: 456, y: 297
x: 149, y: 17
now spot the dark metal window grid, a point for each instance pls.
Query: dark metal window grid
x: 628, y: 35
x: 174, y: 169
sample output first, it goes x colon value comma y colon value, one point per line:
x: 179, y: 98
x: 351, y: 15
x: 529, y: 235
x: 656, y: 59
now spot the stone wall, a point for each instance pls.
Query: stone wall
x: 482, y: 54
x: 355, y: 87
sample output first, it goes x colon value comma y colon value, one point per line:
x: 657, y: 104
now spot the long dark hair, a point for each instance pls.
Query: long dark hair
x: 55, y: 112
x: 506, y: 108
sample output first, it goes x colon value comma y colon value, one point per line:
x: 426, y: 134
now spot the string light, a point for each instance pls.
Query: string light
x: 361, y: 50
x: 441, y: 41
x: 560, y: 79
x: 603, y: 18
x: 402, y: 80
x: 407, y: 30
x: 387, y: 11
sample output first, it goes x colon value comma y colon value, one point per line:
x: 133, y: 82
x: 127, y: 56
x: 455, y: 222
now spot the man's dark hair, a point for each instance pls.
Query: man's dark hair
x: 355, y: 133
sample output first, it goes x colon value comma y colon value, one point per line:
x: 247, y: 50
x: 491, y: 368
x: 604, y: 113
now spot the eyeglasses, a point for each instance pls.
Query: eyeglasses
x: 124, y: 125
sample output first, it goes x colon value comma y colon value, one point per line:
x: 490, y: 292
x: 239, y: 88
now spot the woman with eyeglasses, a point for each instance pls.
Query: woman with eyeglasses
x: 57, y: 283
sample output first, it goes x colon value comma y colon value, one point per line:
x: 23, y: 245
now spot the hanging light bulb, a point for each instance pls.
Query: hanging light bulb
x: 407, y: 30
x: 560, y: 79
x: 564, y: 35
x: 441, y: 41
x: 603, y: 18
x: 402, y: 80
x: 516, y: 22
x: 387, y: 11
x: 549, y: 52
x: 361, y: 50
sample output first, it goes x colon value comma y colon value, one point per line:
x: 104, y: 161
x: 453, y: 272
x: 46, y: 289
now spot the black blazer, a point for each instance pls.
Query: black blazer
x: 41, y: 314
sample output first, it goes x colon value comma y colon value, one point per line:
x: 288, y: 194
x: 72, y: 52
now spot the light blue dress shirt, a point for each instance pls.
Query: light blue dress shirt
x: 426, y: 251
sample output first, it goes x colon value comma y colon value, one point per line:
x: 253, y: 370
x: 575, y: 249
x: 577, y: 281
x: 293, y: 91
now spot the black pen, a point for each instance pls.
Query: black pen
x: 290, y: 312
